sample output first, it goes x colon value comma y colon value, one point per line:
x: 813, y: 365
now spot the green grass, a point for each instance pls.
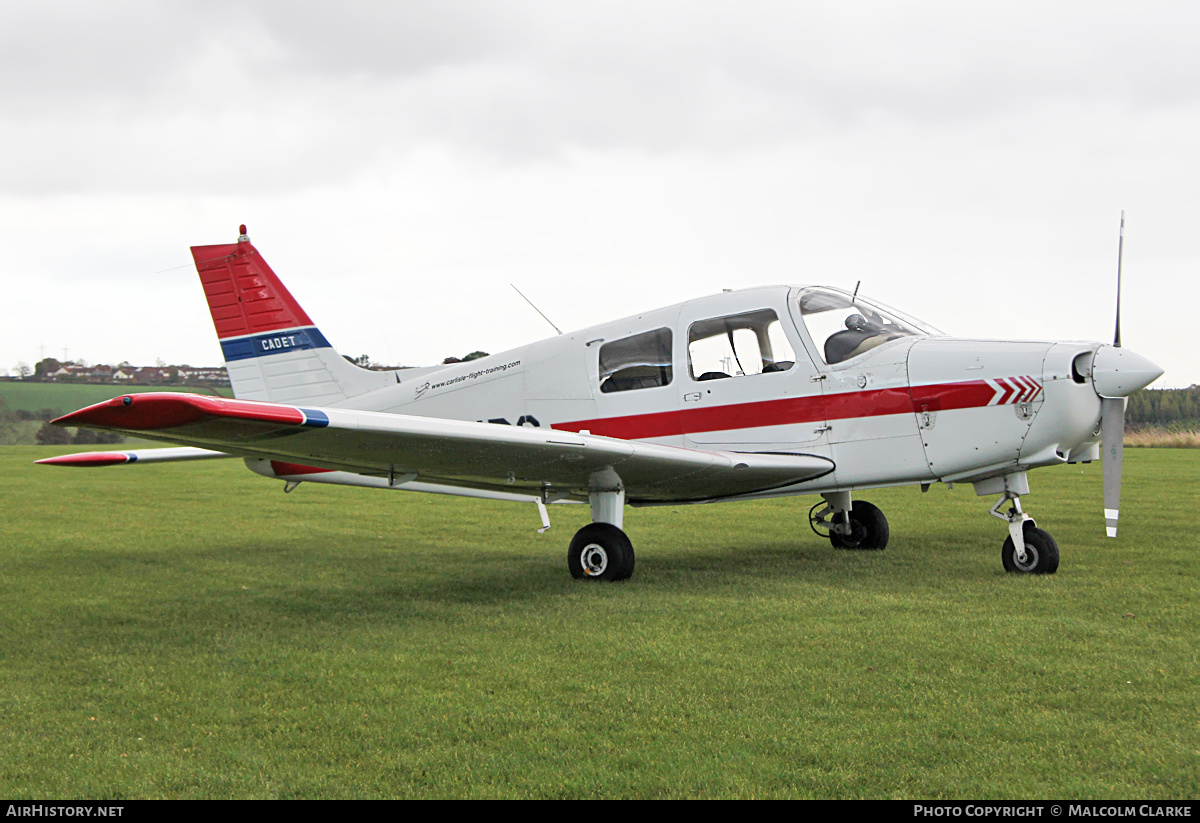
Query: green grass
x: 190, y: 631
x: 67, y: 397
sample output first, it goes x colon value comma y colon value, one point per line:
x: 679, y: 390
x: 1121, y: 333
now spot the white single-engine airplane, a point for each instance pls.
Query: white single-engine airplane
x: 766, y: 392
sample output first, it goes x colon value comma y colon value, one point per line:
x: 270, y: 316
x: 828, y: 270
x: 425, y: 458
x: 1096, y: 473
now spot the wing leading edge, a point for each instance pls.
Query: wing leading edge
x: 450, y: 452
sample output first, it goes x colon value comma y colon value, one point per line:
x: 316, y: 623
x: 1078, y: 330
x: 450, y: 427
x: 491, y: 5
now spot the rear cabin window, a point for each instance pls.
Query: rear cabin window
x: 738, y: 345
x: 642, y: 361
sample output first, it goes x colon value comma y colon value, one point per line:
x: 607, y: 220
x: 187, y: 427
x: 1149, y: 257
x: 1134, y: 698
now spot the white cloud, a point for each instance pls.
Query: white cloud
x: 402, y: 162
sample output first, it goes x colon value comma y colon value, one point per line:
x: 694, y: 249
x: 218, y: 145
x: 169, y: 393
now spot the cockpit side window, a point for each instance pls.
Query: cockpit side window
x: 738, y: 345
x: 642, y: 361
x: 843, y: 327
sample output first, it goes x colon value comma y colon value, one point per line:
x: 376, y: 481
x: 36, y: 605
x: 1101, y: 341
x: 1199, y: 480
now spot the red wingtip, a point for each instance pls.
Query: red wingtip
x: 142, y: 412
x: 152, y: 411
x: 86, y: 459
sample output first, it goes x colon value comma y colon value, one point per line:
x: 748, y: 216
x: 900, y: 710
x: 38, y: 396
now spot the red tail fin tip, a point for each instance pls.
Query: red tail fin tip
x: 244, y: 295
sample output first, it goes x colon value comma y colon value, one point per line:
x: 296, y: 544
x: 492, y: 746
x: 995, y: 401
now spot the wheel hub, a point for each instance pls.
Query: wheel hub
x: 594, y: 560
x: 1027, y: 562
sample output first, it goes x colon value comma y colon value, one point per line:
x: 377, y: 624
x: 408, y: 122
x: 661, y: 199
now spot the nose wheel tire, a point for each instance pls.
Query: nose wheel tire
x: 868, y: 529
x: 600, y: 551
x: 1041, y: 553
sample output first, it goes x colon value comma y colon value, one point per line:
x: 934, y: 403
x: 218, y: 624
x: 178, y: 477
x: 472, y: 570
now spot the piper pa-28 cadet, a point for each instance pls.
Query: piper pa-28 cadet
x: 760, y: 393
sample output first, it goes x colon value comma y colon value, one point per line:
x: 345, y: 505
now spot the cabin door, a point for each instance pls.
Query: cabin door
x: 745, y: 381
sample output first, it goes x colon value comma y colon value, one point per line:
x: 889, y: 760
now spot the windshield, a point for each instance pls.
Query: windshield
x: 843, y: 327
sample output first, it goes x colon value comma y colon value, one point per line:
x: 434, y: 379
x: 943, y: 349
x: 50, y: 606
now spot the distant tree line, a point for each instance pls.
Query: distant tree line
x: 14, y: 429
x: 475, y: 355
x: 49, y: 435
x: 1164, y: 408
x: 10, y: 426
x: 364, y: 361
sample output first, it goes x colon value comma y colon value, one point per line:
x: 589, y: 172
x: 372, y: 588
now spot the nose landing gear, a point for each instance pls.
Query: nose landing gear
x: 1038, y: 554
x: 1027, y: 549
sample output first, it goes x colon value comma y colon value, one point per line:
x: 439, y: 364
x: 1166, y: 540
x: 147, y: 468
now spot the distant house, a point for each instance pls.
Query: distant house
x: 215, y: 376
x: 71, y: 371
x: 148, y: 375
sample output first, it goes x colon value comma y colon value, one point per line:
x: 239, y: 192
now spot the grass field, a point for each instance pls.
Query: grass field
x: 1158, y: 437
x: 66, y: 397
x: 61, y: 398
x: 190, y: 631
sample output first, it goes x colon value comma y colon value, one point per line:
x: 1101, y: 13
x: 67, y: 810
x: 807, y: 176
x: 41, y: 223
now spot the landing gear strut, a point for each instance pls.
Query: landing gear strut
x: 860, y: 525
x: 601, y: 550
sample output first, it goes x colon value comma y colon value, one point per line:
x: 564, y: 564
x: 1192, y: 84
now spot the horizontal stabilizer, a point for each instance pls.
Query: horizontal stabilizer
x: 122, y: 458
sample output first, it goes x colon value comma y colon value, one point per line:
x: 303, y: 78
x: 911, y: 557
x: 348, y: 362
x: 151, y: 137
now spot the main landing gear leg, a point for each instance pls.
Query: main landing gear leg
x: 601, y: 550
x: 857, y: 525
x: 1028, y: 549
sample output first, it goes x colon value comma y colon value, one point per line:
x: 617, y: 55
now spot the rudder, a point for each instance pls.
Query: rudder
x: 273, y: 351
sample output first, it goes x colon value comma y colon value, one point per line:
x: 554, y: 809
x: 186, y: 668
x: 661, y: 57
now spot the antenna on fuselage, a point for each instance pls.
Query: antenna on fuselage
x: 536, y: 309
x: 855, y: 295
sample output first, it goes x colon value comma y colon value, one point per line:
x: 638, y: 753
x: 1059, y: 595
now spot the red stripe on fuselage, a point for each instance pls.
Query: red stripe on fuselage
x: 946, y: 396
x: 789, y: 410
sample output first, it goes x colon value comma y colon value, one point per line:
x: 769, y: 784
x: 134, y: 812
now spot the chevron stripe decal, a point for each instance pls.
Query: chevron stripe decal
x: 1009, y: 390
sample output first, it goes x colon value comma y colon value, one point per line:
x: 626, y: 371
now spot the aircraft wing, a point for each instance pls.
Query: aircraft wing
x: 459, y: 453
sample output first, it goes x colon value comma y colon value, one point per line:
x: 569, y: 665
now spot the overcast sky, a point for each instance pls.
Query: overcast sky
x: 400, y: 163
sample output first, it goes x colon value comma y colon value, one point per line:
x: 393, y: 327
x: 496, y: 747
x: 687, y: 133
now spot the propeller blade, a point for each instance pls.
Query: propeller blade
x: 1120, y: 250
x: 1112, y: 436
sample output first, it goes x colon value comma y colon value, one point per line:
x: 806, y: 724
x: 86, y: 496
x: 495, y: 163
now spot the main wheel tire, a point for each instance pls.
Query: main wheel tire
x: 1041, y: 553
x: 868, y: 529
x: 600, y: 551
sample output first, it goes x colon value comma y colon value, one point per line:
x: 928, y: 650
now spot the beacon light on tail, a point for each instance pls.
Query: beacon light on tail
x: 768, y: 392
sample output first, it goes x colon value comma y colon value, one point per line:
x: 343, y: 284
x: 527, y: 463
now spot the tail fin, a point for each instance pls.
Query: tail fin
x: 272, y: 349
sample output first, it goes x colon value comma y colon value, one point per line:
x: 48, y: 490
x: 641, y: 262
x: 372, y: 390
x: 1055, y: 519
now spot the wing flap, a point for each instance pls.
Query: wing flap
x: 451, y: 452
